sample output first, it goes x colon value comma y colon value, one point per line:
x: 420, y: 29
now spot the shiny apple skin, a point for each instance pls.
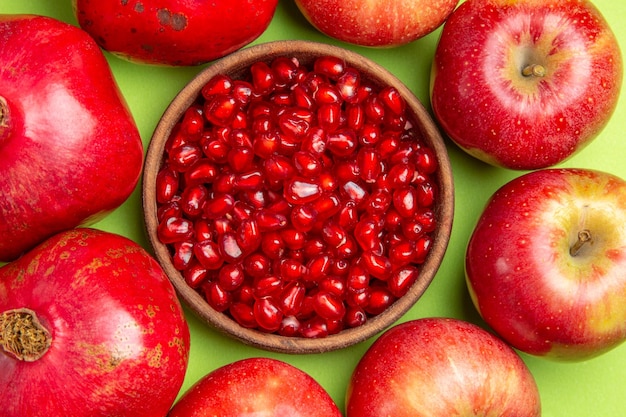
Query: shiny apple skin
x: 70, y: 151
x: 120, y: 342
x: 484, y: 103
x: 441, y: 367
x: 523, y: 279
x: 377, y: 24
x: 256, y: 386
x: 173, y: 32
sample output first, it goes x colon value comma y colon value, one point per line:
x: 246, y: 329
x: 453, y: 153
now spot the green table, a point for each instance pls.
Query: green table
x: 593, y: 388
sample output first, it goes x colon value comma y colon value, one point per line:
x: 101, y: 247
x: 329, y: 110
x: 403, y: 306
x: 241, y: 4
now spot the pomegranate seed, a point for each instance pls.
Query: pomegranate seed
x: 267, y: 286
x: 405, y: 201
x: 218, y: 85
x: 402, y: 253
x: 183, y: 254
x: 166, y: 185
x: 328, y: 306
x: 374, y: 109
x: 262, y: 78
x: 193, y: 200
x: 342, y: 143
x: 175, y: 229
x: 377, y: 265
x: 242, y: 92
x: 272, y: 245
x: 355, y: 317
x: 314, y: 329
x: 216, y: 296
x: 243, y: 314
x: 333, y: 285
x: 291, y: 298
x: 257, y: 265
x: 285, y: 70
x: 208, y: 254
x: 307, y: 164
x: 295, y: 121
x: 215, y: 150
x: 229, y: 247
x: 358, y: 278
x: 426, y: 194
x: 230, y: 277
x: 267, y: 314
x: 220, y: 110
x: 183, y: 157
x: 422, y: 247
x: 348, y: 85
x: 392, y: 100
x: 298, y: 200
x: 249, y: 181
x: 330, y: 66
x: 402, y: 279
x: 290, y: 326
x: 299, y: 190
x: 218, y: 205
x: 358, y: 298
x: 380, y: 299
x: 303, y: 217
x: 202, y: 172
x: 318, y: 267
x: 194, y: 274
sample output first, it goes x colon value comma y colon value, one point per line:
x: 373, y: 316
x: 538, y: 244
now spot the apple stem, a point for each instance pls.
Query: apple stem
x: 5, y: 118
x: 584, y: 236
x: 535, y: 70
x: 22, y: 335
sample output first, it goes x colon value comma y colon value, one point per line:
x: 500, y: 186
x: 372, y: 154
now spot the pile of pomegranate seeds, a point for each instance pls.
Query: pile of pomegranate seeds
x: 299, y: 201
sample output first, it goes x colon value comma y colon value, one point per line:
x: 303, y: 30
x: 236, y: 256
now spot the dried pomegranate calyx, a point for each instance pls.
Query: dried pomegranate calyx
x: 22, y: 335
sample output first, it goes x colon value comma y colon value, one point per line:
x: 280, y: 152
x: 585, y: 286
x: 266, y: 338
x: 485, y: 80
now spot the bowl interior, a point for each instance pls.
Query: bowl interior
x: 237, y: 65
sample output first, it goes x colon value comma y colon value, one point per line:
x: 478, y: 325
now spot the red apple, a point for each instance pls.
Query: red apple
x: 525, y: 84
x: 256, y: 387
x: 69, y: 148
x: 546, y: 263
x: 90, y: 326
x: 440, y: 367
x: 173, y: 32
x: 376, y: 23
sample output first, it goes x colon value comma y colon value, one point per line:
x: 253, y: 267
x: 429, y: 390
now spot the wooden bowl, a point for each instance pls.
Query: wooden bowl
x: 236, y: 65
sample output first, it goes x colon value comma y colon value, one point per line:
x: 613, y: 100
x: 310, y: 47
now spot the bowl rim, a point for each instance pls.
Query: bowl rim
x: 240, y: 61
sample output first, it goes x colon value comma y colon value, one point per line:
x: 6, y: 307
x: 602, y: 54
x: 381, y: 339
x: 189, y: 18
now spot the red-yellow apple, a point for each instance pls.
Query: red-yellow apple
x: 525, y: 84
x: 546, y: 263
x: 439, y: 367
x: 256, y: 387
x: 376, y: 23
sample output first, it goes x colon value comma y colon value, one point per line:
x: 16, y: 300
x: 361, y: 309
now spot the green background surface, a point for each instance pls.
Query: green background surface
x: 593, y: 388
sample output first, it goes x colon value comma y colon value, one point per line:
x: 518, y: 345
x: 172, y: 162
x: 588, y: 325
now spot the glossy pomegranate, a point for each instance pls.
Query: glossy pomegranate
x: 298, y: 200
x: 172, y: 32
x: 89, y: 326
x: 70, y: 151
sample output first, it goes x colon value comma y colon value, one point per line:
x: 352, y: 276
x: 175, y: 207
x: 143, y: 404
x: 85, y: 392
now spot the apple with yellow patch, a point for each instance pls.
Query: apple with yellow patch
x: 254, y: 387
x: 441, y: 367
x: 525, y: 84
x: 377, y: 24
x: 546, y: 263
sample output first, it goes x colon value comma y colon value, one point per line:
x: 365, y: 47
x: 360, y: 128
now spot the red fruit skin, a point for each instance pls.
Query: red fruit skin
x: 376, y: 24
x: 120, y: 342
x: 172, y: 32
x: 256, y: 387
x: 441, y: 367
x: 489, y: 109
x: 70, y: 151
